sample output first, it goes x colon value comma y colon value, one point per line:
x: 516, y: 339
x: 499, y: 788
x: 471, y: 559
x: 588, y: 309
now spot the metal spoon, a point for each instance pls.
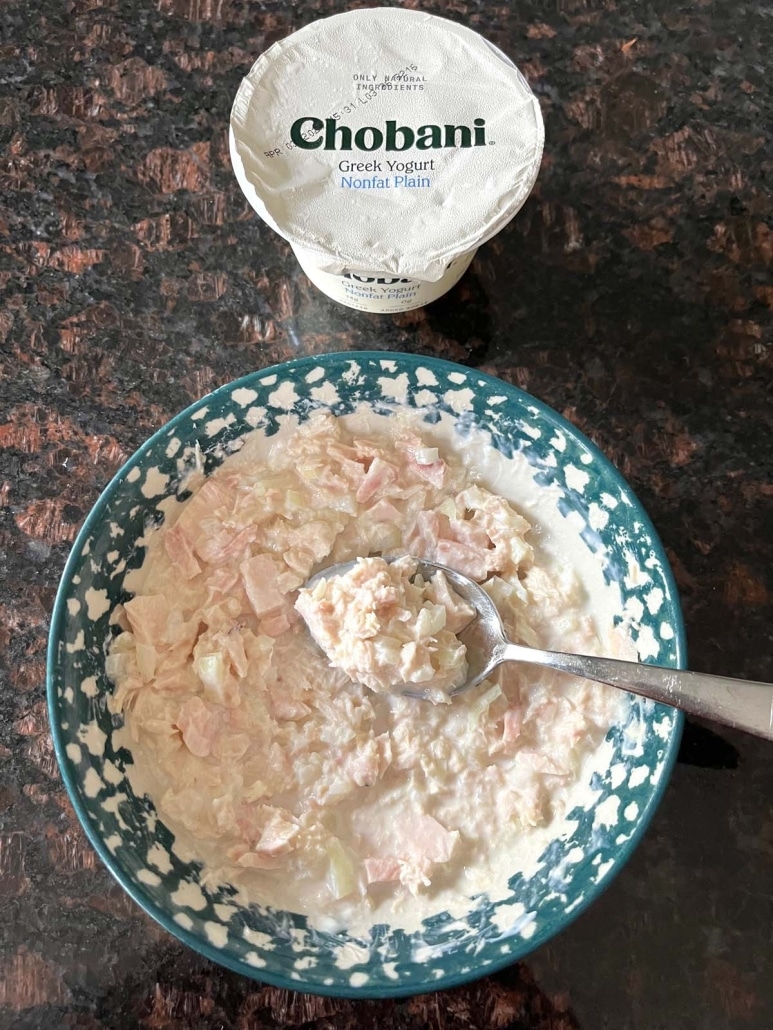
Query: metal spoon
x: 744, y: 704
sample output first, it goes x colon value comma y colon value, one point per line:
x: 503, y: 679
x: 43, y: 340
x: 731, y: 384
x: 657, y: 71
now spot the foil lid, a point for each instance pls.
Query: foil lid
x: 385, y: 140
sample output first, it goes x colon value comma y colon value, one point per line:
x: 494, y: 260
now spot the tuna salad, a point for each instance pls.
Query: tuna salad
x: 388, y: 628
x: 309, y: 791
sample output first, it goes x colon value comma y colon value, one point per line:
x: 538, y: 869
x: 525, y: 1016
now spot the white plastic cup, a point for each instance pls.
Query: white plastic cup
x: 385, y: 145
x: 382, y: 292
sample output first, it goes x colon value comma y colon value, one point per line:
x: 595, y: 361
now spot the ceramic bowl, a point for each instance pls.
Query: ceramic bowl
x: 279, y: 947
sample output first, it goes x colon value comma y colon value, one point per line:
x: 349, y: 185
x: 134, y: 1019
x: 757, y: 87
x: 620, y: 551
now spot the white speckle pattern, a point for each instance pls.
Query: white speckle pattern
x: 528, y: 928
x: 257, y: 937
x: 133, y: 475
x: 78, y: 644
x: 351, y: 375
x: 93, y: 738
x: 352, y: 955
x: 654, y: 600
x: 459, y: 400
x: 507, y: 917
x: 394, y: 389
x: 426, y: 377
x: 89, y: 686
x: 255, y: 416
x: 638, y: 775
x: 598, y: 518
x: 155, y: 483
x: 617, y: 774
x: 112, y: 773
x: 217, y: 425
x: 112, y: 803
x: 189, y: 895
x: 159, y: 858
x: 97, y: 604
x: 606, y: 812
x: 244, y: 396
x: 424, y: 398
x: 576, y: 479
x: 216, y: 934
x: 92, y: 784
x: 662, y: 727
x: 647, y: 643
x: 326, y: 395
x: 283, y: 397
x: 604, y: 868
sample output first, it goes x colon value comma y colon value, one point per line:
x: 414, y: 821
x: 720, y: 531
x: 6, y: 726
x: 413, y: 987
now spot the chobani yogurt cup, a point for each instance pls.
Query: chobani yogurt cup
x: 385, y: 145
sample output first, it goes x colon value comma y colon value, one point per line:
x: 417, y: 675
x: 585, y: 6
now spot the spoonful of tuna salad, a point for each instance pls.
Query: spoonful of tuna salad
x: 408, y: 626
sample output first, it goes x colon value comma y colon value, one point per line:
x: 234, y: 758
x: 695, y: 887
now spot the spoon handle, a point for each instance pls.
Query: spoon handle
x: 741, y: 703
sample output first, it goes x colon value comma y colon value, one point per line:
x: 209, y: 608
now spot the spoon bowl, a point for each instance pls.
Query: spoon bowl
x: 744, y: 704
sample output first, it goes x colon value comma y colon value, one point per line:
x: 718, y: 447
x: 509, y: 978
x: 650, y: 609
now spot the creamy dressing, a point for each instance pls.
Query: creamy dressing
x: 370, y: 808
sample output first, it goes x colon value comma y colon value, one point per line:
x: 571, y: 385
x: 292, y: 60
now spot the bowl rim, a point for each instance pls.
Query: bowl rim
x: 72, y: 783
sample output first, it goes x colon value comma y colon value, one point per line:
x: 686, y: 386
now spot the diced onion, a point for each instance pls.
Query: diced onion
x: 210, y: 668
x: 341, y: 873
x: 426, y: 455
x: 482, y: 704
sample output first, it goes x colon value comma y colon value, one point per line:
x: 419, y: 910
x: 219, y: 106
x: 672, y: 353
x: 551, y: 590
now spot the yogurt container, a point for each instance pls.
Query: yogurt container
x: 385, y: 145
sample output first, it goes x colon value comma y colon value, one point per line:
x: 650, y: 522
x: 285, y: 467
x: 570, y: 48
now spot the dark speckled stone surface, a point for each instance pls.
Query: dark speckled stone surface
x: 633, y: 293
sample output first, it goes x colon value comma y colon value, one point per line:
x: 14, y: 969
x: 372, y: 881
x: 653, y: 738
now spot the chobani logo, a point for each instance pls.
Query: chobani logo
x: 310, y: 133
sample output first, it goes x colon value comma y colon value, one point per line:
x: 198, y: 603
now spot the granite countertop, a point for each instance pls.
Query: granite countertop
x: 633, y: 293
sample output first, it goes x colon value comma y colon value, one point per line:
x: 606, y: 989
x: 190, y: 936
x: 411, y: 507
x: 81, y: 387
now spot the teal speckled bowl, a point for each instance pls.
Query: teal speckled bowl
x: 279, y: 947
